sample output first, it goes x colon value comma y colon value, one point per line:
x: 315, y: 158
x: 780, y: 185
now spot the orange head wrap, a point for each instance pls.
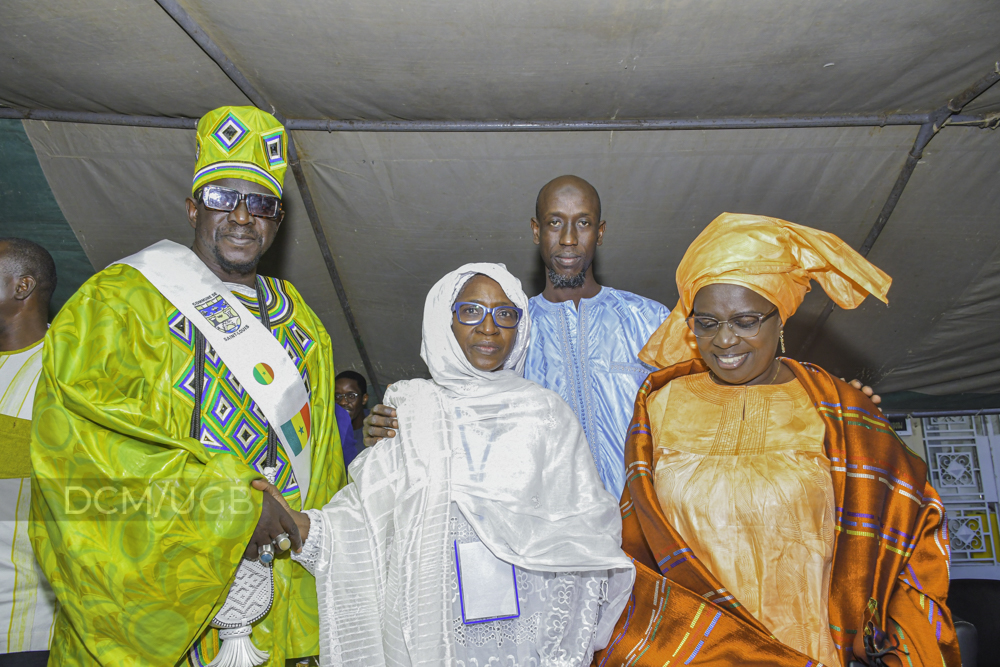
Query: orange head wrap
x: 772, y: 257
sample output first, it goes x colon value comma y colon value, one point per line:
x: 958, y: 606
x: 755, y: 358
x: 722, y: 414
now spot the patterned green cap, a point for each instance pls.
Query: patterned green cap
x: 241, y: 142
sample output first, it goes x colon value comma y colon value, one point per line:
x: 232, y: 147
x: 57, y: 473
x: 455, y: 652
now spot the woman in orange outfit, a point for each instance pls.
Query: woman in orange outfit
x: 773, y: 515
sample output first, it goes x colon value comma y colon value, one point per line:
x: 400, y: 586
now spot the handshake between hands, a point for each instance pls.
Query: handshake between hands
x: 277, y: 518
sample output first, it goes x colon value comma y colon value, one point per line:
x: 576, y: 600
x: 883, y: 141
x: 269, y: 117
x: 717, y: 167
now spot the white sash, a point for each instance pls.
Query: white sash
x: 251, y: 353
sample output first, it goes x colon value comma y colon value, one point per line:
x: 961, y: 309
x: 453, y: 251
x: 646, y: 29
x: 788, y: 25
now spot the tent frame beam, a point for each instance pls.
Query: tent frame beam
x: 928, y: 130
x: 308, y: 125
x: 208, y: 45
x: 916, y: 414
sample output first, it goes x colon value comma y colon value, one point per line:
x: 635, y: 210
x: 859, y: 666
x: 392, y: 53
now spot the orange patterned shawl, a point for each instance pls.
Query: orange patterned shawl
x: 890, y: 562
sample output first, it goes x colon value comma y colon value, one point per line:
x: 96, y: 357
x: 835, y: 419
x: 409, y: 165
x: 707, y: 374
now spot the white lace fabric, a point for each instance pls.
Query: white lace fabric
x: 557, y: 624
x: 312, y: 548
x: 510, y: 460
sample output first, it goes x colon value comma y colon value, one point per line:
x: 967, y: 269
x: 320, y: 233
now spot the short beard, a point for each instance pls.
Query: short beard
x: 241, y: 268
x: 560, y: 281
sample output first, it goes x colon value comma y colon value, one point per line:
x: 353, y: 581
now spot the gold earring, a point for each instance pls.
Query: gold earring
x: 781, y: 337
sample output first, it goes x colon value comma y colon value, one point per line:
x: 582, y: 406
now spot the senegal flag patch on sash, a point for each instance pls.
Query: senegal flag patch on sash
x: 296, y: 430
x: 263, y: 373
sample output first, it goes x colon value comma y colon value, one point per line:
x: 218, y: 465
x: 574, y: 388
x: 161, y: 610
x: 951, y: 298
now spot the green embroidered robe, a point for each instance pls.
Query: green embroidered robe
x: 138, y: 526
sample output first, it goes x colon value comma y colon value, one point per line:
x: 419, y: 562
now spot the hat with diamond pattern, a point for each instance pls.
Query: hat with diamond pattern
x: 241, y: 142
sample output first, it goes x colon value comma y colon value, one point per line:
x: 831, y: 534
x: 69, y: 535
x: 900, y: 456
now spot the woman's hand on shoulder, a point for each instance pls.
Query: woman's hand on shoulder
x: 380, y: 423
x: 866, y: 390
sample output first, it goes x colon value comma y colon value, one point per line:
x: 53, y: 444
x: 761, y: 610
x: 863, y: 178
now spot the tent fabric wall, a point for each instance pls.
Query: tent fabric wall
x: 105, y: 55
x: 400, y: 209
x: 29, y: 210
x: 951, y: 245
x: 403, y: 208
x: 940, y: 333
x: 519, y: 59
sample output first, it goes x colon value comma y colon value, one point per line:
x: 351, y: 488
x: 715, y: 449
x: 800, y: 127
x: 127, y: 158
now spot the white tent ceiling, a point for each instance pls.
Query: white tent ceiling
x: 400, y: 209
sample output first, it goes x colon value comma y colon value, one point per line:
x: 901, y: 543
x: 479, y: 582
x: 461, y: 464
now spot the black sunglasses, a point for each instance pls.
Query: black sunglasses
x: 259, y: 205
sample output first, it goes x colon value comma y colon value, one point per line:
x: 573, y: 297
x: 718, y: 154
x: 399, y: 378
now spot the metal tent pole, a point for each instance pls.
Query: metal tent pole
x: 194, y: 31
x: 308, y: 125
x: 99, y: 118
x: 942, y: 413
x: 764, y: 122
x: 935, y: 121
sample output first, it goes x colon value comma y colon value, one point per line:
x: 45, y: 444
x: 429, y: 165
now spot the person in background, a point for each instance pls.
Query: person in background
x: 587, y: 336
x: 181, y: 373
x: 347, y: 442
x: 352, y: 394
x: 27, y: 604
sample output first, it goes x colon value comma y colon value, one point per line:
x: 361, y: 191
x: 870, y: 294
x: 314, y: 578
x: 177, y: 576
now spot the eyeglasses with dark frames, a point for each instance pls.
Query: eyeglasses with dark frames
x: 259, y: 205
x: 471, y: 313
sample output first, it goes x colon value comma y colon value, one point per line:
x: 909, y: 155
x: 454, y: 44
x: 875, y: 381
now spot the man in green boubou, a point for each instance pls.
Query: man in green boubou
x: 153, y: 435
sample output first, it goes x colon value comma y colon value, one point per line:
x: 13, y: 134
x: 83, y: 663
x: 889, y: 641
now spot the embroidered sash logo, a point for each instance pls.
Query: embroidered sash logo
x: 219, y: 313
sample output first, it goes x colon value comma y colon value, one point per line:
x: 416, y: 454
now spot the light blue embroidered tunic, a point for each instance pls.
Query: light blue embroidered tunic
x: 589, y: 356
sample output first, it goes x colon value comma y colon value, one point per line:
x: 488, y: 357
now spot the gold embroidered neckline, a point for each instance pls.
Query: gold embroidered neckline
x: 703, y: 387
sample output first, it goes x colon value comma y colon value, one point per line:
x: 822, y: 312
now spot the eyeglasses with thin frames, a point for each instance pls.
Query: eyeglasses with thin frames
x: 743, y: 326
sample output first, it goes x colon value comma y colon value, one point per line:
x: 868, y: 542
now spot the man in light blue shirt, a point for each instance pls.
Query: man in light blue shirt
x: 585, y: 337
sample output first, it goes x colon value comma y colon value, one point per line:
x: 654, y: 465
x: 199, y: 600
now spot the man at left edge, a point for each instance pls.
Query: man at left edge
x: 122, y: 411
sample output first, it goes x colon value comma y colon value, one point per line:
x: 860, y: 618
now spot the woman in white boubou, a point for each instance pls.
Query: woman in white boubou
x: 480, y: 534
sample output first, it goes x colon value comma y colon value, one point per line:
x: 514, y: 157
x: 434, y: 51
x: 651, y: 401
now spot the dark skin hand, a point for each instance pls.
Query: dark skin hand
x: 232, y: 243
x: 301, y: 519
x: 275, y: 519
x: 380, y: 423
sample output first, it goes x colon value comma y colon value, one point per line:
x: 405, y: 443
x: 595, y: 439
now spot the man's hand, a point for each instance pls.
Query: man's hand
x: 867, y: 391
x: 301, y: 519
x: 379, y: 424
x: 274, y: 520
